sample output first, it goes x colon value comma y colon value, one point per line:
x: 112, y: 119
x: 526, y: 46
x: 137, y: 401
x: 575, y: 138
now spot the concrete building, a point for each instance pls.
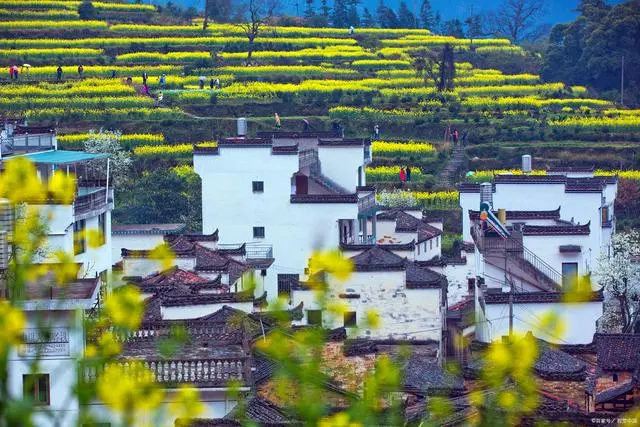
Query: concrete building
x: 289, y: 192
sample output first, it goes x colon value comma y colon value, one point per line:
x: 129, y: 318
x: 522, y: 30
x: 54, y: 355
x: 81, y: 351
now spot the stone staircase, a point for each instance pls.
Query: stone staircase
x: 455, y: 163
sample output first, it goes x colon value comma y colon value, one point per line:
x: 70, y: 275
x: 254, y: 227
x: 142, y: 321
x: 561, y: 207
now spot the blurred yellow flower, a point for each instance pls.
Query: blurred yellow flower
x: 506, y: 399
x: 187, y: 403
x: 65, y: 268
x: 130, y: 388
x: 12, y: 323
x: 20, y: 182
x: 164, y: 255
x: 550, y: 323
x: 109, y: 346
x: 373, y: 319
x: 125, y: 307
x: 95, y: 238
x: 341, y: 419
x: 332, y: 262
x: 62, y: 187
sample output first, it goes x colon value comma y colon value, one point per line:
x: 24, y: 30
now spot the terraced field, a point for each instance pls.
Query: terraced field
x: 323, y: 74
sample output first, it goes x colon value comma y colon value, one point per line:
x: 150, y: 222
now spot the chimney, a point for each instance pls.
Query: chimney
x: 242, y: 126
x: 486, y: 193
x: 526, y: 163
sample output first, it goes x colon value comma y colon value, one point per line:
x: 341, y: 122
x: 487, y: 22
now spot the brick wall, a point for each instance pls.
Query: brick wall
x: 605, y: 380
x: 571, y: 391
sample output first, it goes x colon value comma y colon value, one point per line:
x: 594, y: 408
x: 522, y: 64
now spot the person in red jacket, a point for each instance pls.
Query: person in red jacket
x: 403, y: 175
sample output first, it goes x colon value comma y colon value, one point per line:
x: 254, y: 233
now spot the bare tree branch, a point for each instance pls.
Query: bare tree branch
x: 515, y: 18
x: 252, y: 16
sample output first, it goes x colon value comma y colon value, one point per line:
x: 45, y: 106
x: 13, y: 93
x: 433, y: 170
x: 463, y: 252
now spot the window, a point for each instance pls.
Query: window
x: 102, y: 227
x: 284, y: 284
x: 350, y: 320
x: 36, y: 387
x: 314, y: 317
x: 258, y: 186
x: 430, y: 244
x: 258, y: 232
x: 437, y: 241
x: 418, y: 249
x: 569, y: 273
x: 79, y: 244
x: 605, y: 214
x: 615, y: 378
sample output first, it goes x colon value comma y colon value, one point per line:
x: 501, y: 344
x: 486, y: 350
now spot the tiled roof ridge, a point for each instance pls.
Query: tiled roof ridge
x: 539, y: 297
x: 523, y: 214
x: 124, y: 229
x: 555, y: 230
x: 391, y: 246
x: 197, y: 299
x: 324, y: 198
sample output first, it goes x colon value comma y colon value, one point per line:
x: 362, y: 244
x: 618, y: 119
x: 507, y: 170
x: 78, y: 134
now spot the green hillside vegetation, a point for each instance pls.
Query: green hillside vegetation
x: 417, y: 86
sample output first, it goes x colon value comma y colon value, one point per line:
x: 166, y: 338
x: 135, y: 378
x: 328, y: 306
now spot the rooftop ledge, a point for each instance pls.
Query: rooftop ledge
x: 324, y: 198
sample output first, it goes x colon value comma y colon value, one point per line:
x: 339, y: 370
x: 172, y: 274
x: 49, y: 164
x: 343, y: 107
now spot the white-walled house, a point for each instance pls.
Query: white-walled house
x: 409, y: 299
x: 90, y: 209
x: 294, y: 192
x: 51, y: 384
x: 557, y: 225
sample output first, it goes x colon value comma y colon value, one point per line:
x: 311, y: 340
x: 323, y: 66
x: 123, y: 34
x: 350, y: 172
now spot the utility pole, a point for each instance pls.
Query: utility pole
x: 510, y: 292
x: 622, y: 83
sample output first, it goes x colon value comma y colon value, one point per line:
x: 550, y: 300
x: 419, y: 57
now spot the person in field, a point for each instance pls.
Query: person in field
x: 80, y: 71
x: 59, y: 73
x: 277, y: 119
x: 403, y: 175
x: 408, y: 173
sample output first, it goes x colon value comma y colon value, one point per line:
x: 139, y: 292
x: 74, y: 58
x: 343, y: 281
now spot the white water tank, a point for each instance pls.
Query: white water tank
x: 526, y: 163
x: 242, y: 126
x: 486, y: 193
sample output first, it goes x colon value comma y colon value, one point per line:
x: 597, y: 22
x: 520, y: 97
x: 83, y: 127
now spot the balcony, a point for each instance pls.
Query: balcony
x: 200, y: 372
x: 367, y: 205
x: 92, y: 199
x: 249, y: 251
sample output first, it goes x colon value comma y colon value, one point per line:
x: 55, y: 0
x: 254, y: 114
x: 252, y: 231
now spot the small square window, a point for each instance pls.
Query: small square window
x: 314, y: 317
x: 350, y: 320
x: 36, y: 387
x: 258, y: 186
x: 284, y: 284
x: 258, y: 232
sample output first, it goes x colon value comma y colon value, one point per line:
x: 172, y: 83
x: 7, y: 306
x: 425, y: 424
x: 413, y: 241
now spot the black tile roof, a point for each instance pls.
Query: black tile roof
x: 560, y: 169
x: 529, y: 179
x: 376, y: 258
x: 612, y: 393
x: 357, y: 347
x: 557, y: 230
x: 522, y: 215
x: 265, y: 368
x: 261, y: 411
x: 423, y: 278
x: 324, y: 198
x: 390, y: 246
x: 424, y: 376
x: 198, y: 299
x: 161, y: 229
x: 346, y: 142
x: 537, y: 297
x: 617, y: 352
x: 554, y: 364
x: 194, y: 237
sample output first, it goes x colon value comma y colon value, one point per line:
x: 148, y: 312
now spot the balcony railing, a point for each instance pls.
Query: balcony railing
x: 204, y: 372
x: 367, y: 204
x: 220, y: 332
x: 259, y: 251
x: 92, y: 201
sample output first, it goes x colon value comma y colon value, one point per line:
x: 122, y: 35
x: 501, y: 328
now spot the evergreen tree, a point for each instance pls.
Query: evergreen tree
x: 322, y: 20
x: 406, y: 18
x: 436, y: 27
x: 368, y: 21
x: 453, y: 27
x: 426, y: 15
x: 87, y: 11
x: 386, y: 16
x: 340, y: 17
x: 352, y: 13
x: 309, y: 10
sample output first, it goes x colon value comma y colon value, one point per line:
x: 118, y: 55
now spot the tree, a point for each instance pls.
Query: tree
x: 352, y: 13
x: 340, y: 17
x: 619, y: 273
x: 425, y: 62
x: 368, y: 21
x: 473, y: 25
x: 252, y: 16
x: 386, y: 16
x: 515, y: 18
x: 436, y: 27
x: 87, y: 11
x: 454, y: 28
x: 426, y: 14
x: 217, y: 10
x: 406, y: 18
x: 107, y: 142
x: 309, y: 10
x: 324, y: 10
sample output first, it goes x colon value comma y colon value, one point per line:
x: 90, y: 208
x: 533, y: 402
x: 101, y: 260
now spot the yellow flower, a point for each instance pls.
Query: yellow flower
x: 125, y: 307
x: 163, y: 254
x: 129, y: 389
x: 551, y: 324
x: 331, y: 262
x: 12, y: 323
x: 373, y: 319
x: 187, y: 403
x: 20, y: 183
x: 341, y: 419
x: 62, y: 187
x: 506, y: 399
x: 65, y: 268
x: 95, y: 238
x: 109, y: 346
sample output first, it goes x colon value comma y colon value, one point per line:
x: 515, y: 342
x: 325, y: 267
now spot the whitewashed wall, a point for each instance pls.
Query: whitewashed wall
x: 133, y: 241
x: 579, y: 320
x: 199, y: 310
x: 142, y: 266
x: 340, y: 164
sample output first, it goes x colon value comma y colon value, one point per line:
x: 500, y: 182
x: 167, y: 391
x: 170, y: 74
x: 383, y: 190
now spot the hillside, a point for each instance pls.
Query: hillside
x: 499, y: 107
